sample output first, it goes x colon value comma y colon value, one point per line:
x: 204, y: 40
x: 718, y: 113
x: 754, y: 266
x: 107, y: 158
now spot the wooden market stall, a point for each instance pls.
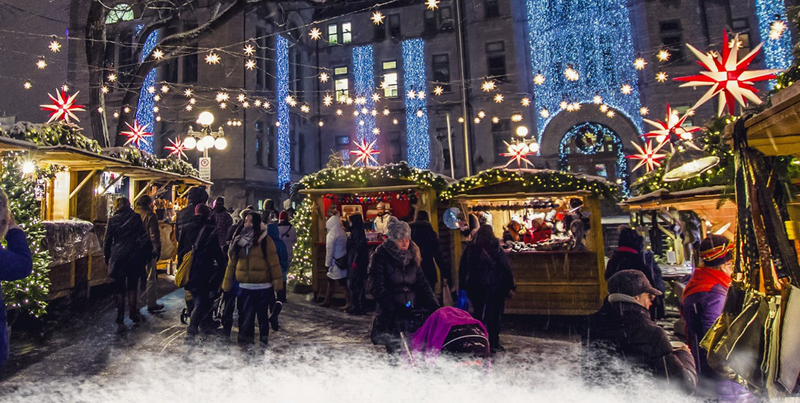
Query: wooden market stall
x: 710, y: 210
x: 551, y: 278
x: 328, y: 190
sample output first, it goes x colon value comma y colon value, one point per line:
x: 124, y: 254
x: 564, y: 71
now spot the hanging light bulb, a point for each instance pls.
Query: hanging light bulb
x: 688, y: 161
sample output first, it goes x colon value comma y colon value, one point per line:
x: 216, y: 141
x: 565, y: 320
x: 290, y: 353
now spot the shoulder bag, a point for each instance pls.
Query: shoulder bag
x: 182, y: 274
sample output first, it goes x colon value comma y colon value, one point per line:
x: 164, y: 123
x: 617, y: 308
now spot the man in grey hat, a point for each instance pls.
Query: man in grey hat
x: 381, y: 222
x: 623, y: 328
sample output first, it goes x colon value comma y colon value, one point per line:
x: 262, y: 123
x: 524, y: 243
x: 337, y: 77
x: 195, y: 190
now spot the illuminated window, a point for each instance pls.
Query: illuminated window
x: 120, y: 12
x: 333, y: 34
x: 347, y: 35
x: 390, y: 79
x: 340, y: 84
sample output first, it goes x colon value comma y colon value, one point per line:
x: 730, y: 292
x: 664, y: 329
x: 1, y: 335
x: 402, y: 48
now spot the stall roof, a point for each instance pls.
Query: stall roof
x: 9, y: 144
x: 663, y: 198
x: 76, y: 158
x: 393, y: 188
x: 776, y: 131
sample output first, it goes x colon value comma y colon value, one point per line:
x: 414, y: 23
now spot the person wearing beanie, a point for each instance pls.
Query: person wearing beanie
x: 195, y: 197
x: 381, y: 222
x: 222, y: 221
x: 623, y: 329
x: 144, y: 207
x: 399, y: 287
x: 208, y: 267
x: 702, y: 302
x: 426, y: 238
x: 631, y: 254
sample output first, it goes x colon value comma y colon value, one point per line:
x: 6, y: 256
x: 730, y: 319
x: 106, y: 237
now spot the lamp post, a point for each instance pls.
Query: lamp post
x: 204, y: 141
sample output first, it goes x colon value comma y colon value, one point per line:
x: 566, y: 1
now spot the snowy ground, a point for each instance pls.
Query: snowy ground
x: 319, y: 353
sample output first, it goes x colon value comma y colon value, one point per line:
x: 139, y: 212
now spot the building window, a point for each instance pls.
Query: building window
x: 389, y: 84
x: 395, y: 147
x: 340, y: 33
x: 501, y: 133
x: 491, y: 8
x: 296, y: 76
x: 441, y: 71
x: 189, y: 62
x: 496, y: 60
x: 261, y: 58
x: 340, y: 83
x: 120, y: 12
x: 672, y: 38
x: 380, y: 32
x: 272, y: 146
x: 440, y: 19
x: 333, y: 34
x: 394, y: 25
x: 260, y: 149
x: 742, y: 27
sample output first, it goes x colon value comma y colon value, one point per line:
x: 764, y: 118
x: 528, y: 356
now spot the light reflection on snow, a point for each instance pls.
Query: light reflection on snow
x: 298, y: 373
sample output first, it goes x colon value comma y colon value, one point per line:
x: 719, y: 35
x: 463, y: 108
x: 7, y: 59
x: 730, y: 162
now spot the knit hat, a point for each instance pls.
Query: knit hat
x: 283, y: 216
x: 219, y: 202
x: 630, y: 282
x: 397, y: 229
x: 715, y: 250
x: 202, y: 210
x: 382, y: 206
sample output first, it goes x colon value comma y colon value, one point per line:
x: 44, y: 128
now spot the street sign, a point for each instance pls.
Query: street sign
x: 205, y: 168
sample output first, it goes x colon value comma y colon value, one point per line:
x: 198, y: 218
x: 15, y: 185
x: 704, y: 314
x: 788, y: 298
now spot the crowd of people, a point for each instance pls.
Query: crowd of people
x: 244, y: 264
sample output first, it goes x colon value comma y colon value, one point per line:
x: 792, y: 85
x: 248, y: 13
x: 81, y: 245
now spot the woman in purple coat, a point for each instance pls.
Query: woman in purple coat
x: 15, y: 263
x: 703, y: 299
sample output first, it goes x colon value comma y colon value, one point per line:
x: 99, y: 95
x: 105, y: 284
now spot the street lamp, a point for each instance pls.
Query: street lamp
x: 206, y: 139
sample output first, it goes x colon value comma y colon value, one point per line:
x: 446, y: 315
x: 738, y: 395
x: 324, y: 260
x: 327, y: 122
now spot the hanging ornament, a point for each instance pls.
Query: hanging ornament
x: 673, y: 124
x: 728, y: 76
x: 517, y: 152
x: 365, y: 152
x: 250, y: 64
x: 177, y: 148
x: 63, y: 107
x: 647, y: 156
x: 315, y: 33
x: 377, y: 18
x: 136, y: 134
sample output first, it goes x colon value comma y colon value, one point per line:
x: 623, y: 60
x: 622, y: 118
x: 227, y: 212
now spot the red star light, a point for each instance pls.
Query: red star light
x: 63, y: 107
x: 518, y: 152
x: 365, y: 153
x: 647, y: 156
x: 136, y: 134
x: 727, y: 76
x: 177, y: 148
x: 673, y: 124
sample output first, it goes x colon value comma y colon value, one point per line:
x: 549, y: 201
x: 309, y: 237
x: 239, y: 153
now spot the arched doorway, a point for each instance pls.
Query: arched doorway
x: 594, y: 149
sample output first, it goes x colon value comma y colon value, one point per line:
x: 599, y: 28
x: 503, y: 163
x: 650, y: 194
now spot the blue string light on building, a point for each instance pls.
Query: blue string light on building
x: 364, y: 86
x: 593, y: 37
x: 282, y: 78
x: 602, y: 134
x: 777, y: 52
x: 417, y: 137
x: 144, y: 111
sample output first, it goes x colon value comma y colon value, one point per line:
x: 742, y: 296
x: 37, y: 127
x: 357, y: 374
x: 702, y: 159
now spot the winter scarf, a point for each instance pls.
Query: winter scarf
x: 403, y: 256
x: 245, y: 237
x: 704, y: 279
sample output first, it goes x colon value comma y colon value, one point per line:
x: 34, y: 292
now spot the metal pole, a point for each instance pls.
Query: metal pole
x: 463, y: 87
x: 450, y: 145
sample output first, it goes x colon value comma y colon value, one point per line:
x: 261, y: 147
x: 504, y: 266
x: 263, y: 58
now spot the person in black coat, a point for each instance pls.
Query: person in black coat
x: 358, y: 261
x: 423, y: 234
x: 127, y: 249
x: 631, y: 255
x: 398, y: 286
x: 195, y: 197
x: 623, y: 329
x: 485, y: 274
x: 208, y: 266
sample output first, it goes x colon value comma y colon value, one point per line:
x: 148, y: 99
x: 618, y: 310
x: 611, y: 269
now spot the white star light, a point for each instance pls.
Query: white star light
x: 212, y: 58
x: 55, y: 46
x: 315, y: 33
x: 377, y: 18
x: 432, y: 4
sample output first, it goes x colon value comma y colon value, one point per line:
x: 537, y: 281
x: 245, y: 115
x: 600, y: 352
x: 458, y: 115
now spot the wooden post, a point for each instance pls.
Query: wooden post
x: 597, y: 242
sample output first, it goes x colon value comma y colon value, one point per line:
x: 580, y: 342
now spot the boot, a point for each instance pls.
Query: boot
x: 328, y: 294
x: 273, y: 317
x: 348, y: 298
x: 133, y: 312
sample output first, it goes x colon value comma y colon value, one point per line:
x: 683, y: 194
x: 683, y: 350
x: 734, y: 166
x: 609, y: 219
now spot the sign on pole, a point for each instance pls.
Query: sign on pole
x: 205, y: 168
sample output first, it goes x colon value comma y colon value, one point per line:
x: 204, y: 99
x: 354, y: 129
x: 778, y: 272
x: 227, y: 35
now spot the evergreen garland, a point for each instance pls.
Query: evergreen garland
x: 28, y: 294
x: 542, y: 181
x: 302, y: 266
x: 52, y: 134
x: 144, y: 159
x: 363, y: 177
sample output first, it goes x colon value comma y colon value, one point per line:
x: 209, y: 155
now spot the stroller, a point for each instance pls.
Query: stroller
x: 216, y: 309
x: 450, y: 331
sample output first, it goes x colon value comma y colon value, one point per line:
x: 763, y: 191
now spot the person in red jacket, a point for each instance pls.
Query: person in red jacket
x: 16, y: 263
